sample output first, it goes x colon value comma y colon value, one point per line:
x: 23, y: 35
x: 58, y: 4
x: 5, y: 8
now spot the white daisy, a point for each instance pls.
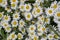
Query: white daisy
x: 49, y: 11
x: 1, y: 15
x: 13, y: 36
x: 28, y: 7
x: 50, y: 36
x: 54, y: 5
x: 21, y: 23
x: 16, y: 16
x: 3, y: 3
x: 13, y: 5
x: 22, y: 7
x: 28, y: 16
x: 6, y: 18
x: 14, y: 23
x: 19, y: 36
x: 8, y: 29
x: 32, y: 28
x: 35, y: 37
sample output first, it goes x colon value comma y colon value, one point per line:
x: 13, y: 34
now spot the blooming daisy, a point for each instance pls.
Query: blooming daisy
x: 1, y: 15
x: 21, y: 23
x: 50, y: 36
x: 35, y: 37
x: 13, y: 5
x: 28, y: 16
x: 54, y: 5
x: 3, y: 3
x: 16, y: 16
x: 6, y: 18
x: 13, y: 36
x: 19, y: 36
x: 14, y: 23
x: 28, y: 7
x: 22, y: 7
x: 49, y: 12
x: 32, y: 28
x: 8, y: 29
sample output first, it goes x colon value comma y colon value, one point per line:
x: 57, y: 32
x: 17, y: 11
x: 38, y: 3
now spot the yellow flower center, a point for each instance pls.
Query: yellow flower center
x: 16, y: 16
x: 0, y: 15
x: 13, y: 5
x: 22, y: 7
x: 13, y: 0
x: 46, y: 20
x: 1, y: 1
x: 32, y: 28
x: 14, y: 22
x: 28, y: 16
x: 8, y: 28
x: 13, y: 35
x: 50, y: 11
x: 55, y: 6
x: 27, y: 7
x: 58, y: 14
x: 6, y: 18
x: 19, y: 36
x: 35, y: 38
x: 38, y: 10
x: 21, y: 23
x: 50, y: 36
x: 43, y: 29
x: 5, y: 25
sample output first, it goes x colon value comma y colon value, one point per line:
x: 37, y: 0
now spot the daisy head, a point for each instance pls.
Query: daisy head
x: 50, y: 36
x: 8, y: 29
x: 35, y: 37
x: 13, y: 5
x: 14, y: 23
x: 13, y: 36
x: 22, y: 7
x: 49, y: 12
x: 57, y: 15
x: 21, y: 23
x: 19, y: 36
x: 27, y: 7
x: 32, y: 28
x: 6, y: 18
x: 16, y: 16
x: 54, y: 5
x: 28, y: 16
x: 1, y: 15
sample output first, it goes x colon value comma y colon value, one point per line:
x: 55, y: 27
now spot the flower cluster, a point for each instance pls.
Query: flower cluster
x: 21, y: 20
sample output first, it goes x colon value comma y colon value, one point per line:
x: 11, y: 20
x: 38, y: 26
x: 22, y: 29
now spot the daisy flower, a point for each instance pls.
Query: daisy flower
x: 13, y: 5
x: 22, y: 7
x: 49, y: 12
x: 21, y: 23
x: 16, y: 16
x: 35, y: 37
x: 50, y: 36
x: 31, y: 34
x: 28, y: 7
x: 28, y: 16
x: 1, y: 15
x: 19, y: 36
x: 3, y: 3
x: 32, y: 28
x: 6, y: 18
x: 54, y: 5
x: 13, y: 36
x: 14, y: 23
x: 8, y: 29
